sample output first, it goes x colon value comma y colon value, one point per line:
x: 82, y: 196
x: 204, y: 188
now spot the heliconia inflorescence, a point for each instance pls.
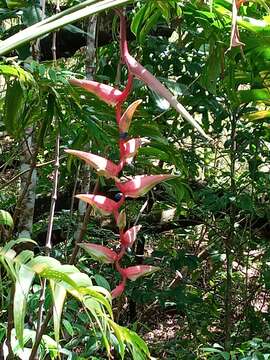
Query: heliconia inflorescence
x: 128, y: 148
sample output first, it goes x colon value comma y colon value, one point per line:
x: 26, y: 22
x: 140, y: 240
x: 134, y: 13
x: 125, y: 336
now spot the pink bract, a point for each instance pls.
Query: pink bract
x: 99, y: 252
x: 131, y: 147
x: 141, y: 184
x: 130, y: 235
x: 106, y: 93
x: 118, y: 290
x: 126, y: 118
x: 103, y: 166
x: 102, y: 203
x: 134, y: 272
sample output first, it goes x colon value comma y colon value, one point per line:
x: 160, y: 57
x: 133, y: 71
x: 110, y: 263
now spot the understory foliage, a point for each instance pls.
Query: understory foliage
x: 179, y: 89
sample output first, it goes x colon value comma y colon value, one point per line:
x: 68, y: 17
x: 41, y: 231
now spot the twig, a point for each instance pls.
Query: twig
x: 72, y: 208
x: 26, y: 170
x: 141, y: 211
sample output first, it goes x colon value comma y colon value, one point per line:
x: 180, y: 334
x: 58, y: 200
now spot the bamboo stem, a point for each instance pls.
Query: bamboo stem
x: 230, y: 240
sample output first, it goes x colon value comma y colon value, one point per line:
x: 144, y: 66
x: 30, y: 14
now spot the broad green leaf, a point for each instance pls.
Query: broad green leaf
x: 95, y: 292
x: 68, y: 327
x: 258, y: 115
x: 31, y: 15
x: 18, y: 241
x: 22, y: 258
x: 74, y: 29
x: 138, y: 18
x: 14, y: 108
x: 137, y: 347
x: 16, y: 4
x: 6, y: 219
x: 59, y: 296
x: 258, y: 26
x: 142, y: 17
x: 101, y: 281
x: 120, y: 337
x: 7, y: 259
x: 96, y: 311
x: 22, y: 288
x: 212, y: 69
x: 246, y: 96
x: 16, y: 71
x: 151, y: 22
x: 47, y: 120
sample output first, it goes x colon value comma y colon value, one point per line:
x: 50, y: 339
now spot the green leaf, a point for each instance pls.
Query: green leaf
x: 18, y: 241
x: 101, y: 281
x: 258, y: 115
x: 23, y: 257
x: 212, y: 69
x: 246, y: 96
x: 6, y: 219
x: 151, y: 22
x: 22, y: 288
x: 137, y: 19
x: 59, y: 296
x: 31, y: 15
x: 46, y: 122
x: 16, y: 4
x: 14, y: 107
x: 68, y: 327
x: 16, y: 71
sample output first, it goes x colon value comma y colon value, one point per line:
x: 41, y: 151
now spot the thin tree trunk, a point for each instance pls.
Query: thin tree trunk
x: 91, y: 47
x: 28, y: 186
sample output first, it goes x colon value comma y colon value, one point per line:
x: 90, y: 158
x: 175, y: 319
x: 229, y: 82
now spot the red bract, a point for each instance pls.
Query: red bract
x: 103, y: 166
x: 118, y: 290
x: 129, y: 236
x: 130, y: 148
x: 141, y: 184
x: 106, y: 93
x: 102, y: 203
x: 126, y: 118
x: 100, y: 253
x: 134, y: 272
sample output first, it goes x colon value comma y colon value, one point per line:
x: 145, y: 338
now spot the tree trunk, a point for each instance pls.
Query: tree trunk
x: 28, y: 186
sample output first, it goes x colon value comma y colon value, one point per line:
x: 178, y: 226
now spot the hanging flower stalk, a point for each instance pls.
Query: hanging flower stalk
x: 128, y: 147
